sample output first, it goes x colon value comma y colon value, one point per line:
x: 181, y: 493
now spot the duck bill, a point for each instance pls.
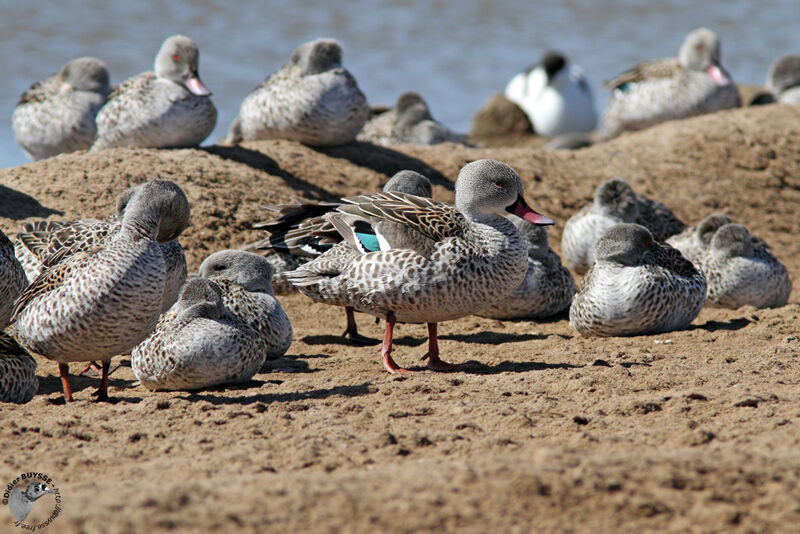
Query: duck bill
x: 717, y: 74
x: 521, y: 209
x: 197, y: 87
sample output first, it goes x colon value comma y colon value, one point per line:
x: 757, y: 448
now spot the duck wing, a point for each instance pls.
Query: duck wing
x: 660, y: 68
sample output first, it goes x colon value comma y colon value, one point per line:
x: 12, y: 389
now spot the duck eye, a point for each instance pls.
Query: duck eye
x: 500, y: 184
x: 176, y: 57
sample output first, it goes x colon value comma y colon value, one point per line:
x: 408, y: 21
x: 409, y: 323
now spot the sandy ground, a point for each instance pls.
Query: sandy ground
x: 692, y: 431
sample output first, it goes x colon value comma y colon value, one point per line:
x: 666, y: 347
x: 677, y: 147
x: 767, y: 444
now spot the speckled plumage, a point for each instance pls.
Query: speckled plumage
x: 243, y: 279
x: 614, y: 202
x: 103, y: 302
x: 18, y: 382
x: 742, y: 271
x: 198, y: 344
x: 695, y: 83
x: 57, y: 114
x: 409, y: 122
x: 168, y: 108
x: 693, y: 241
x: 312, y: 99
x: 636, y: 286
x: 548, y: 286
x: 12, y: 279
x: 43, y: 241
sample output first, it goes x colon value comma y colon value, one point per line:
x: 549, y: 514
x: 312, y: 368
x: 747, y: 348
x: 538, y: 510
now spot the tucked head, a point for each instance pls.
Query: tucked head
x: 200, y: 297
x: 732, y: 240
x: 701, y: 51
x: 535, y: 235
x: 166, y: 197
x: 616, y: 198
x: 624, y: 243
x: 709, y: 226
x: 251, y: 271
x: 411, y: 109
x: 784, y: 74
x: 86, y: 74
x: 410, y: 182
x: 553, y: 62
x: 491, y: 187
x: 317, y: 56
x: 177, y: 60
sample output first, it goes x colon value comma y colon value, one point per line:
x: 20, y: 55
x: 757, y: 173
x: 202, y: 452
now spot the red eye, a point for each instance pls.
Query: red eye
x: 176, y: 57
x: 500, y: 184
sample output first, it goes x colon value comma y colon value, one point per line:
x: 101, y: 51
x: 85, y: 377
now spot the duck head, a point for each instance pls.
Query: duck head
x: 251, y: 271
x: 177, y: 60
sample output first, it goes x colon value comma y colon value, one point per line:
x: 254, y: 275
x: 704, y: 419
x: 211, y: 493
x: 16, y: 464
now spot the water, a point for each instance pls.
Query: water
x: 456, y: 53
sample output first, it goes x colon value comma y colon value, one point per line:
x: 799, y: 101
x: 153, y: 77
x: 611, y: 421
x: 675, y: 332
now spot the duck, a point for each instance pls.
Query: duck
x: 198, y: 344
x: 457, y: 260
x: 636, y: 286
x: 614, y: 202
x: 692, y: 84
x: 167, y: 108
x: 548, y: 286
x: 742, y: 271
x: 783, y: 79
x: 44, y: 242
x: 555, y: 95
x: 21, y: 502
x: 102, y: 302
x: 312, y: 99
x: 57, y: 114
x: 243, y: 279
x: 695, y: 240
x: 301, y: 231
x: 409, y: 122
x: 12, y: 279
x: 18, y: 382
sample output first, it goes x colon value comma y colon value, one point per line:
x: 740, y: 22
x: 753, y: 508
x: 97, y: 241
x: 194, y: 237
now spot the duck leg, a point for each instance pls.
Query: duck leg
x: 434, y: 362
x: 63, y: 370
x: 386, y: 348
x: 102, y: 391
x: 93, y: 366
x: 351, y: 332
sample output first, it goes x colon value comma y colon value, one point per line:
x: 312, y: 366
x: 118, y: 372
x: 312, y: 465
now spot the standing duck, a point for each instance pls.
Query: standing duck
x: 636, y: 286
x: 243, y: 280
x: 18, y: 381
x: 57, y: 114
x: 614, y: 202
x: 555, y: 96
x: 12, y: 279
x: 548, y: 286
x: 302, y: 231
x: 105, y: 301
x: 198, y: 344
x: 409, y: 122
x: 168, y: 108
x: 458, y: 259
x: 312, y: 99
x: 742, y: 271
x: 692, y: 84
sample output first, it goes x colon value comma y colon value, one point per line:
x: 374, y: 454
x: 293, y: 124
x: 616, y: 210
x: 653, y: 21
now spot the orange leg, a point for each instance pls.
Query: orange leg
x: 91, y: 365
x: 351, y: 332
x: 63, y: 370
x: 434, y: 362
x: 386, y: 348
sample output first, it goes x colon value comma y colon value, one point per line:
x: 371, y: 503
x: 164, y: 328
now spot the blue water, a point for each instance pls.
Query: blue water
x: 456, y: 53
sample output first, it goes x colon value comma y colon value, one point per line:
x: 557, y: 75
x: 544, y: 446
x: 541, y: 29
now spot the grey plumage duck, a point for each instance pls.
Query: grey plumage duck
x: 44, y: 242
x: 636, y: 286
x: 168, y: 108
x: 614, y: 202
x: 198, y: 344
x: 692, y: 84
x: 12, y: 279
x: 18, y: 382
x: 409, y: 122
x: 312, y: 99
x: 102, y: 302
x: 783, y: 79
x: 548, y: 286
x: 57, y: 114
x: 460, y: 259
x: 302, y: 232
x: 695, y: 240
x: 243, y: 279
x: 742, y: 271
